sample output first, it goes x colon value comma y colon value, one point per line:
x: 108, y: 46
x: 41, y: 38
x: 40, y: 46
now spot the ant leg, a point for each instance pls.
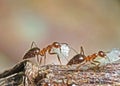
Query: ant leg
x: 33, y: 43
x: 80, y: 65
x: 96, y: 62
x: 96, y: 65
x: 59, y: 60
x: 40, y: 60
x: 44, y: 59
x: 57, y: 56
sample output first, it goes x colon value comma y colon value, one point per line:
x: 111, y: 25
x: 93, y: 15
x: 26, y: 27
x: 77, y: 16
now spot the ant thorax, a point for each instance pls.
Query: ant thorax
x: 63, y: 51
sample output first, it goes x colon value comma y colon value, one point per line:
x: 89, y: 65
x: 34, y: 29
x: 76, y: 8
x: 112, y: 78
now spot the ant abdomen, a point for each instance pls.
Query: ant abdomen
x: 76, y: 59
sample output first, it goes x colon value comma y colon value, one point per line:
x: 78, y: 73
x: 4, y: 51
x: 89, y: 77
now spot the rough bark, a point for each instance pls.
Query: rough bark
x: 27, y: 73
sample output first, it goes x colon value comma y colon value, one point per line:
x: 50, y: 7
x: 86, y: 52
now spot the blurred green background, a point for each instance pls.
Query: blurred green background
x: 94, y: 24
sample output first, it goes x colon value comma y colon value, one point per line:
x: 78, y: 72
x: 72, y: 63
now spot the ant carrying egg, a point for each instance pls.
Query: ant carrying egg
x: 56, y: 48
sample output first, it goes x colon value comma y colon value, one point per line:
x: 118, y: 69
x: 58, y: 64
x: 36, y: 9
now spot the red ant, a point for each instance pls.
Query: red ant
x: 81, y: 58
x: 36, y: 51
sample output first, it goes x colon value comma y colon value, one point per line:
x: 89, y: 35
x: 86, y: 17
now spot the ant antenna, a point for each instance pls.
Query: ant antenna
x: 73, y: 49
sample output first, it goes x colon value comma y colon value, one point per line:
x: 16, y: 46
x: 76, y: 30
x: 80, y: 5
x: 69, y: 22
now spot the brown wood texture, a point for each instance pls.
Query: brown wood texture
x: 60, y: 75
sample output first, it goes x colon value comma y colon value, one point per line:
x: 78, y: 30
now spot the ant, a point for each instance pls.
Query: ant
x: 81, y: 58
x: 35, y: 51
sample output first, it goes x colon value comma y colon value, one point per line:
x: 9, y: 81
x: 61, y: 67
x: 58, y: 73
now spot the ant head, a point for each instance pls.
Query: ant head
x: 101, y: 53
x: 56, y: 44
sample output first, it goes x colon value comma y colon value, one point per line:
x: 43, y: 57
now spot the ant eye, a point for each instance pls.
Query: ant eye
x: 101, y: 53
x: 56, y: 44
